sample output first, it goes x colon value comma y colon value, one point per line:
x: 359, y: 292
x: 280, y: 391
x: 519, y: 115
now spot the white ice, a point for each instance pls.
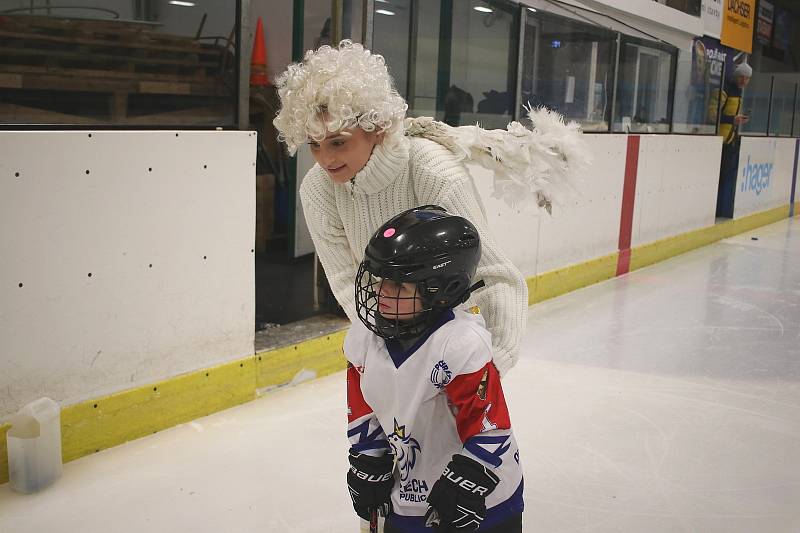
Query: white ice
x: 666, y: 401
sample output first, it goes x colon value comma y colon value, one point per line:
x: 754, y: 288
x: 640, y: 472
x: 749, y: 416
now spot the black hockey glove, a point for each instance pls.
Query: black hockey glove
x: 458, y: 499
x: 370, y: 481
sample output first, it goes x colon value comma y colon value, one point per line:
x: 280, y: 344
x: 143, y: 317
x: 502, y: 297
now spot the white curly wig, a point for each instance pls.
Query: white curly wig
x: 349, y: 84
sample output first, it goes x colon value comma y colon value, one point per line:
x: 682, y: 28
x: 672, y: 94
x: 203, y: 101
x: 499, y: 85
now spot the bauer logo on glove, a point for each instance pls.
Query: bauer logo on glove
x: 371, y: 478
x: 467, y: 485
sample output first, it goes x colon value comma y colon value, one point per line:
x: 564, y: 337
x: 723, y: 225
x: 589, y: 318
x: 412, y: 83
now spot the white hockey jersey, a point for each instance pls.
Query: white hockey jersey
x: 439, y: 397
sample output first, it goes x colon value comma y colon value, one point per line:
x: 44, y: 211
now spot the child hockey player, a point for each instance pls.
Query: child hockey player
x: 432, y: 446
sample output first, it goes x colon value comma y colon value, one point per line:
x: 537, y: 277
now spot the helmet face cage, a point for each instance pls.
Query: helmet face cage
x: 369, y: 288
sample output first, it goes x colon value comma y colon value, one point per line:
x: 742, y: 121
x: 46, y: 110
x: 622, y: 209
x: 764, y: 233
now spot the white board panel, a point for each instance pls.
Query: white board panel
x: 515, y: 230
x: 676, y: 185
x: 585, y: 227
x: 588, y: 227
x: 764, y: 177
x: 126, y: 258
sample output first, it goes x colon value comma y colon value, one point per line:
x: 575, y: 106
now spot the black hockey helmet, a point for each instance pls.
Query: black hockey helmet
x: 425, y: 246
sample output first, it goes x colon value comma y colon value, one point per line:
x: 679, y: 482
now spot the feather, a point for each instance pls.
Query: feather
x: 543, y: 164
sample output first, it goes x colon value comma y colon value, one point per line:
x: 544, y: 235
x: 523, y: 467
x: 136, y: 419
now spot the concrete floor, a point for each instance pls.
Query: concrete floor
x: 666, y: 401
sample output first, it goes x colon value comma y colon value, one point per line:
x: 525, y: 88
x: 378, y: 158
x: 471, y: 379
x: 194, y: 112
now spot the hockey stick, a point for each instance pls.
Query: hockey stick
x: 373, y: 521
x: 374, y: 524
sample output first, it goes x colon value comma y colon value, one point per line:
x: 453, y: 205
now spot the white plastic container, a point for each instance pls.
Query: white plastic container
x: 34, y: 446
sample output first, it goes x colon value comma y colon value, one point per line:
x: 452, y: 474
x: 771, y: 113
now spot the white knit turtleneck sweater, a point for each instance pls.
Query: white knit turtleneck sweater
x: 412, y: 172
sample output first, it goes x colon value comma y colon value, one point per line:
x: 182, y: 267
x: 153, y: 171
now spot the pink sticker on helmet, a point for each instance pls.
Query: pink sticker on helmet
x: 389, y: 232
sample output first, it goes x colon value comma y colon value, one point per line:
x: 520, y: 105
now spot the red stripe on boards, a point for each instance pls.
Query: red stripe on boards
x: 628, y: 196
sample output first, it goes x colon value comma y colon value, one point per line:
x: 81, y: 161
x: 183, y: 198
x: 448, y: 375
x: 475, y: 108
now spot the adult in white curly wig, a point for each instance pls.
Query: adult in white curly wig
x: 371, y: 166
x: 343, y: 104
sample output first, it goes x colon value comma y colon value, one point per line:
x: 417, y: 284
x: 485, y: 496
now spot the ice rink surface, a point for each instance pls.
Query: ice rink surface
x: 666, y: 401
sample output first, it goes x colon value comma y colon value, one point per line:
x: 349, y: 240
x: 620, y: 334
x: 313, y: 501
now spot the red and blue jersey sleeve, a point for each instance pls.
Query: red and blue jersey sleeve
x: 481, y: 414
x: 363, y: 429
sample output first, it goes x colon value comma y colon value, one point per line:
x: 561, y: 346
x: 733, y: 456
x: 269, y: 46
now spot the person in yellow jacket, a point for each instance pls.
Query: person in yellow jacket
x: 729, y: 103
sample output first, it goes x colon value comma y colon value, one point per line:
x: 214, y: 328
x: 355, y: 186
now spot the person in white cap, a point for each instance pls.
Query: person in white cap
x: 728, y: 104
x: 743, y: 70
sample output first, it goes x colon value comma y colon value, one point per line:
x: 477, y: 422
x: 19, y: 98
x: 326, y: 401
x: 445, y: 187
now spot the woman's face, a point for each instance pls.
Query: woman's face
x: 345, y: 152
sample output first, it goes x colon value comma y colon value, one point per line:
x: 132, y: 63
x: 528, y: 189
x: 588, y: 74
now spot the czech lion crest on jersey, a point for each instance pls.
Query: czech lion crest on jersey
x: 441, y: 375
x: 405, y: 449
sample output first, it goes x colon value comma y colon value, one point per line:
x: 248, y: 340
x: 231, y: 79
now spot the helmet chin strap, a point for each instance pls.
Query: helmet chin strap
x: 475, y: 286
x: 443, y: 305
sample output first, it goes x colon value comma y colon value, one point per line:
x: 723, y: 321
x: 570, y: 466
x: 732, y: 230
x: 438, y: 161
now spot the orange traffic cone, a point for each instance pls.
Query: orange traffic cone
x: 258, y: 61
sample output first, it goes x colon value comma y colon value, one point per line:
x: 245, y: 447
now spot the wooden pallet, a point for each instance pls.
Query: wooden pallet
x: 124, y: 33
x: 47, y: 55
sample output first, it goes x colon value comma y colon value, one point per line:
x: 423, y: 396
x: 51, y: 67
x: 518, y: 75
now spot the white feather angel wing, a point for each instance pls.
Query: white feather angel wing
x: 544, y: 163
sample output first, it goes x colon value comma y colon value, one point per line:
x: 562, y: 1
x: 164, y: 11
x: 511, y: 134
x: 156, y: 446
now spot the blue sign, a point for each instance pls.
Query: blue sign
x: 756, y: 176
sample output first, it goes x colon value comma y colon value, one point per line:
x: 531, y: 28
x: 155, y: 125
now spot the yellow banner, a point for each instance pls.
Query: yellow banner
x: 738, y: 20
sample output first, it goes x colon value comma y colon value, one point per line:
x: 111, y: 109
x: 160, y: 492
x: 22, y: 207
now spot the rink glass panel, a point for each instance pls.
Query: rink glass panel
x: 391, y: 30
x: 317, y: 24
x: 483, y: 63
x: 423, y: 61
x: 137, y: 64
x: 353, y: 20
x: 782, y: 109
x: 463, y: 72
x: 698, y: 81
x: 645, y: 87
x: 755, y: 104
x: 569, y: 67
x: 468, y: 62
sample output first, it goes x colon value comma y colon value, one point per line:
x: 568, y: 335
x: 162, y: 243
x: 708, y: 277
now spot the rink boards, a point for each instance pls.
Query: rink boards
x: 671, y: 183
x: 135, y: 348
